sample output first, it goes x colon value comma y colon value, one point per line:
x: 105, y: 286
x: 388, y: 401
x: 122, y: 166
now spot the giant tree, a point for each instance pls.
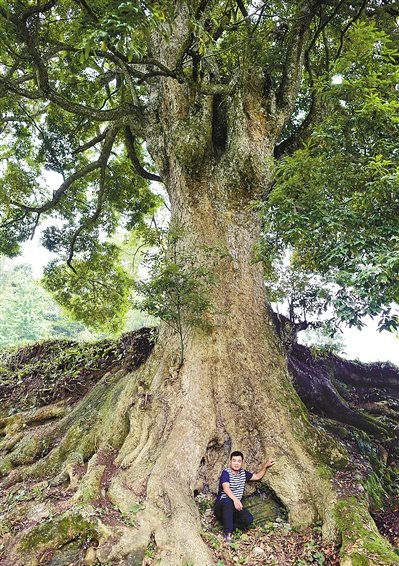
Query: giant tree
x: 200, y: 96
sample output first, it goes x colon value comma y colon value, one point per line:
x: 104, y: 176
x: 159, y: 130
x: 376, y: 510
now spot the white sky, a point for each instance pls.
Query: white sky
x: 369, y: 345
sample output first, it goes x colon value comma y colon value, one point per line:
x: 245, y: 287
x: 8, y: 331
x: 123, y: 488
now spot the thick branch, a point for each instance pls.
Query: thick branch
x: 102, y: 161
x: 297, y: 138
x: 242, y: 8
x: 83, y: 172
x: 46, y: 90
x: 61, y: 190
x: 292, y: 71
x: 94, y: 141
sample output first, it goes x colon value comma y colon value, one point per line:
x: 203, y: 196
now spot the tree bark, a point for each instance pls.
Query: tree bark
x: 232, y: 392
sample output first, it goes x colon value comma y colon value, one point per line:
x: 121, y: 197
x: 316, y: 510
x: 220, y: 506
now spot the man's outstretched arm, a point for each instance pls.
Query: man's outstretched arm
x: 263, y: 469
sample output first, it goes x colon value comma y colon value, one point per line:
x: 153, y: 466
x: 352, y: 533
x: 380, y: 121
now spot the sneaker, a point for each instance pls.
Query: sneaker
x: 228, y: 538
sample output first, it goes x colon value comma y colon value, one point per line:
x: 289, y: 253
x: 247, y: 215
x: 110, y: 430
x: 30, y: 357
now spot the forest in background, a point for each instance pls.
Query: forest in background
x: 28, y: 313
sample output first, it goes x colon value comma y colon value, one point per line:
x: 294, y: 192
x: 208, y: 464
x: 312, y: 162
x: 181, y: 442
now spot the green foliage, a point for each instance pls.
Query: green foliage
x: 355, y: 524
x: 126, y: 26
x: 97, y: 293
x: 55, y: 369
x: 28, y: 313
x: 177, y: 291
x: 302, y: 291
x: 323, y: 341
x: 311, y: 555
x: 335, y: 203
x: 76, y: 77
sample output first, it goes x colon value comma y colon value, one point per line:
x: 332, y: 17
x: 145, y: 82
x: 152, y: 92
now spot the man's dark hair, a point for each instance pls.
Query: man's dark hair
x: 237, y: 453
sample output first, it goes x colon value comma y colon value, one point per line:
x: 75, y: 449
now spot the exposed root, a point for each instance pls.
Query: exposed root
x: 317, y: 382
x: 35, y: 417
x: 36, y: 542
x: 62, y: 369
x: 361, y: 541
x: 99, y: 420
x: 88, y: 487
x: 123, y: 464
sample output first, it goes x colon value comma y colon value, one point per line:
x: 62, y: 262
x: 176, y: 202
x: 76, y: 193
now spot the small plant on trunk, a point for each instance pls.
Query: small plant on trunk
x: 177, y: 290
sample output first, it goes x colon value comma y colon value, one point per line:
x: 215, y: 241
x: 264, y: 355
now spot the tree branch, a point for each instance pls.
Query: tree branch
x: 39, y: 9
x: 89, y: 168
x: 14, y: 221
x: 103, y: 161
x: 292, y: 70
x: 88, y: 9
x: 11, y: 86
x: 94, y: 141
x: 350, y: 23
x: 242, y: 8
x: 321, y: 28
x: 293, y: 142
x: 46, y: 91
x: 129, y: 143
x: 60, y: 191
x: 124, y: 63
x: 45, y: 141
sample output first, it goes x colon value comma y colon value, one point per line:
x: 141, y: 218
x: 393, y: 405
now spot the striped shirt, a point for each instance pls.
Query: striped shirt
x: 236, y: 481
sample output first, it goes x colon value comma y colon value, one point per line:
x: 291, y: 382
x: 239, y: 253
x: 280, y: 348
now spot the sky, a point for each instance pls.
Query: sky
x: 367, y: 345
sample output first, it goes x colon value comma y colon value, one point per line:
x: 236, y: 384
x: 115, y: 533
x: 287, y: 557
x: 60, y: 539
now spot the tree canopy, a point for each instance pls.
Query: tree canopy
x: 335, y: 202
x: 78, y: 104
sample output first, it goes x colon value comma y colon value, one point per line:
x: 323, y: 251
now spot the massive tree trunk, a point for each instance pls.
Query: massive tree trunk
x: 232, y: 391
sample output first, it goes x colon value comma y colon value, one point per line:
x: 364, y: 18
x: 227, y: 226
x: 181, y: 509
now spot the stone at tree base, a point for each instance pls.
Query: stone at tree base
x: 264, y: 508
x: 69, y: 554
x: 136, y: 558
x: 91, y: 556
x: 257, y: 551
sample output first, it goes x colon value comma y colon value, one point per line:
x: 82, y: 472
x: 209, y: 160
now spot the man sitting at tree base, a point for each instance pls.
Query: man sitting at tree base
x: 228, y: 507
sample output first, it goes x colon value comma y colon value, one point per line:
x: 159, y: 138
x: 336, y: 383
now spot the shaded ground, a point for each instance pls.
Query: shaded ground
x: 388, y: 523
x: 47, y: 372
x: 269, y: 542
x: 274, y: 544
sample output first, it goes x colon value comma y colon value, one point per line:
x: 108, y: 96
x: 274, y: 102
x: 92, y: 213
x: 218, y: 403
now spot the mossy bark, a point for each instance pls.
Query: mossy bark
x: 362, y: 544
x: 130, y: 455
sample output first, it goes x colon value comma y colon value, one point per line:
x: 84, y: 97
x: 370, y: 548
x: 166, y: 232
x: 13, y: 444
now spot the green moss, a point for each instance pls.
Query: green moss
x: 336, y: 428
x: 325, y: 448
x: 357, y: 527
x: 325, y: 472
x: 375, y: 490
x: 5, y: 466
x: 51, y: 370
x: 57, y: 531
x: 359, y: 560
x: 328, y: 452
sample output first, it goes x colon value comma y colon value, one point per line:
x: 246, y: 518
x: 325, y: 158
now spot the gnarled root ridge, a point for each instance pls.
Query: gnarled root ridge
x: 352, y: 393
